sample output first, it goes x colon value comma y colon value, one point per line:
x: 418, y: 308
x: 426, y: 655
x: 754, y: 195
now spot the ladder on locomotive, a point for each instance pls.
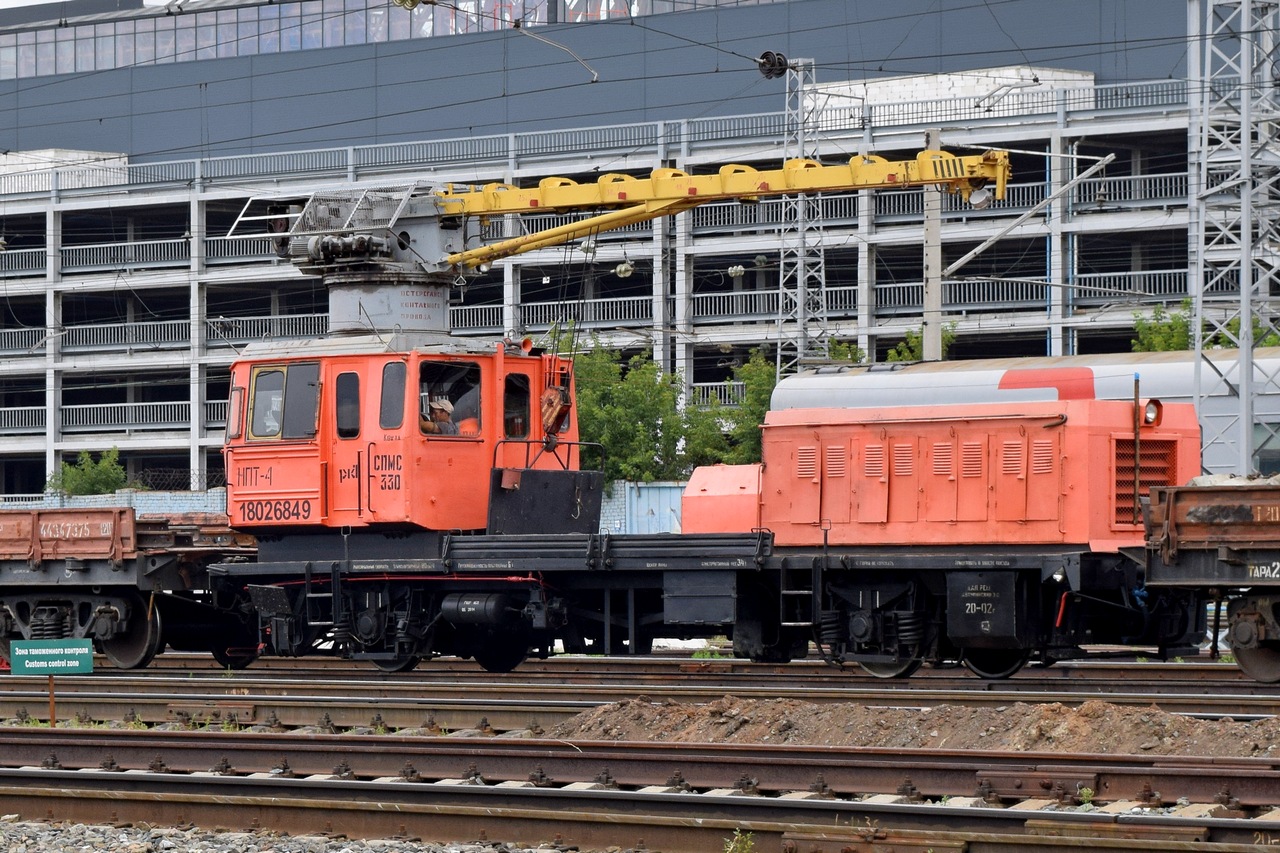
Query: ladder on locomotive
x: 799, y: 590
x: 322, y: 609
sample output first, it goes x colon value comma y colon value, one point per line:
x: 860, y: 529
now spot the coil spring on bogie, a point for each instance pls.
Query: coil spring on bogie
x: 910, y: 627
x: 50, y: 623
x: 342, y: 629
x: 831, y: 627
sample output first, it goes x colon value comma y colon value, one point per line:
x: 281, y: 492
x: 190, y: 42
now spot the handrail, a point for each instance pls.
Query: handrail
x: 96, y: 416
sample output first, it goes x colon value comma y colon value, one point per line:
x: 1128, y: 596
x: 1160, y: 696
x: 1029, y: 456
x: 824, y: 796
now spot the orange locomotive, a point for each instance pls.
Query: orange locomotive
x: 991, y: 533
x: 1030, y: 473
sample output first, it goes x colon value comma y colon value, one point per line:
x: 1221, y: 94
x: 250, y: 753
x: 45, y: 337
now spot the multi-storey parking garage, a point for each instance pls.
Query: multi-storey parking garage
x: 125, y: 300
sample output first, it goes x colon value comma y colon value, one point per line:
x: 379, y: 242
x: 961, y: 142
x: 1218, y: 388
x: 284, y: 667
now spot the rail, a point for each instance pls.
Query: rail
x: 24, y: 341
x: 134, y: 255
x: 476, y: 318
x: 590, y: 313
x: 148, y: 334
x: 220, y: 332
x: 729, y: 393
x: 768, y: 215
x: 22, y: 420
x: 901, y: 204
x: 742, y: 306
x: 237, y: 331
x: 1143, y: 285
x: 32, y: 420
x: 226, y: 249
x: 1001, y: 294
x: 22, y: 262
x: 139, y: 254
x: 215, y: 413
x: 1130, y: 191
x: 126, y: 416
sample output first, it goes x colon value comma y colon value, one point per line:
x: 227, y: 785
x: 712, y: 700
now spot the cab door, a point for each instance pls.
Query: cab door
x: 518, y: 387
x: 366, y: 475
x: 386, y: 449
x: 348, y: 465
x: 449, y: 479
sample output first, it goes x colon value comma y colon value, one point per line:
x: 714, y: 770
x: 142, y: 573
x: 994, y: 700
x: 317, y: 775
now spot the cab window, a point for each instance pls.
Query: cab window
x: 457, y: 384
x: 391, y: 412
x: 268, y: 403
x: 348, y: 394
x: 283, y: 401
x: 515, y: 407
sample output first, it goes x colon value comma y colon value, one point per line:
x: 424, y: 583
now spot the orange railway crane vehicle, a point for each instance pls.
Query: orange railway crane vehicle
x: 416, y: 445
x: 412, y: 494
x: 337, y: 433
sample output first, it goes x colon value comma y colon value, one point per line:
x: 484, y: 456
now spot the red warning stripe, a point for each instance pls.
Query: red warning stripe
x: 1073, y: 383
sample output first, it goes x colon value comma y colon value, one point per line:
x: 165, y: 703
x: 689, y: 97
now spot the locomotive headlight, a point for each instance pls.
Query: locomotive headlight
x: 1152, y: 412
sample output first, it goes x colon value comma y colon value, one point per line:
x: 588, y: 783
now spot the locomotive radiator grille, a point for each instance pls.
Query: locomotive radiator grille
x: 1156, y: 468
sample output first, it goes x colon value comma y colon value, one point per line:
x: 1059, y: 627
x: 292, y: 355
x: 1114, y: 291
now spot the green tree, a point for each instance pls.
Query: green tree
x: 1167, y: 331
x: 90, y: 477
x: 706, y: 434
x: 1164, y: 331
x: 911, y: 348
x: 847, y: 351
x: 758, y: 375
x: 633, y: 411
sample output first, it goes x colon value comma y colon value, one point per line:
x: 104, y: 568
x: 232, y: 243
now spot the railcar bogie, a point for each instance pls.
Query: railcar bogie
x: 133, y: 584
x: 1219, y: 538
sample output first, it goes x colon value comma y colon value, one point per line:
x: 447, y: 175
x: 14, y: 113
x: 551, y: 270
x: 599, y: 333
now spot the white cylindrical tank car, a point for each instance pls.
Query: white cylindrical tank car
x: 1167, y: 376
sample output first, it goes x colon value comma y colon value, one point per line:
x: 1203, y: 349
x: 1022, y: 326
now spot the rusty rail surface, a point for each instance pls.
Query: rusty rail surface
x: 595, y: 816
x: 512, y: 702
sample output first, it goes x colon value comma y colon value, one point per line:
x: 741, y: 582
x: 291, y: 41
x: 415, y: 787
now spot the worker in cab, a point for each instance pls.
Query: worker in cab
x: 439, y: 418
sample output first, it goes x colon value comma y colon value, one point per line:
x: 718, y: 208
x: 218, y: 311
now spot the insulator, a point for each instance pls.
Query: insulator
x: 772, y: 64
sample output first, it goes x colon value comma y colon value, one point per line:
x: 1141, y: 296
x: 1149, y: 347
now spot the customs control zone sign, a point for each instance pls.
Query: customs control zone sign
x: 51, y: 657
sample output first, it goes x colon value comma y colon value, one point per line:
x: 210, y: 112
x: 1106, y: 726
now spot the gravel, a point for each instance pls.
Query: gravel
x: 18, y: 836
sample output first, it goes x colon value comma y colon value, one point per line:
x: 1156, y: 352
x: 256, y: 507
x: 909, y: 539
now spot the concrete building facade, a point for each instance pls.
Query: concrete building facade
x: 125, y: 300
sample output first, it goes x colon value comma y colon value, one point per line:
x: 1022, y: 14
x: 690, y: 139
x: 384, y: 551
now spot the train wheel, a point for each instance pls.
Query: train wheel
x: 896, y: 669
x: 501, y: 656
x: 136, y: 647
x: 399, y: 664
x: 1261, y: 663
x: 995, y: 663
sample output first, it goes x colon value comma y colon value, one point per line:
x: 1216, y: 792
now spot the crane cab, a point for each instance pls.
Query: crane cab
x: 433, y: 438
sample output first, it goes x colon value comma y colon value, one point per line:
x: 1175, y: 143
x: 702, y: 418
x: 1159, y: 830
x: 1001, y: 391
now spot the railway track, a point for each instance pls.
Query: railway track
x: 1200, y: 674
x: 641, y: 796
x: 335, y: 767
x: 350, y: 698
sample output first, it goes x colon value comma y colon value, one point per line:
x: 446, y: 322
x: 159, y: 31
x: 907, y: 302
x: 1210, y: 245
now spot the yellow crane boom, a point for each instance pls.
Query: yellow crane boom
x: 627, y: 199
